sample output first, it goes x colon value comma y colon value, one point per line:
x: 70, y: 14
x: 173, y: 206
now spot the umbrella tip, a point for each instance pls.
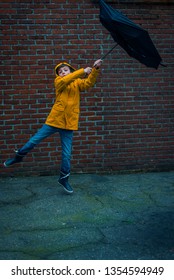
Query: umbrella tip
x: 162, y: 64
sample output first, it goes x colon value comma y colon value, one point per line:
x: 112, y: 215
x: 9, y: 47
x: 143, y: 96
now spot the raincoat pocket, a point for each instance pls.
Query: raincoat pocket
x: 59, y: 107
x: 56, y: 117
x: 72, y: 119
x: 76, y: 110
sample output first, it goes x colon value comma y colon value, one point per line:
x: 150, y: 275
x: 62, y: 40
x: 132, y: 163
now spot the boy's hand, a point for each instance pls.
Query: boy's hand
x: 97, y: 63
x: 88, y: 70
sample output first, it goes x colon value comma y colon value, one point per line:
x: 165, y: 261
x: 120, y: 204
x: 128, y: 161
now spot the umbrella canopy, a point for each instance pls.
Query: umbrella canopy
x: 130, y: 36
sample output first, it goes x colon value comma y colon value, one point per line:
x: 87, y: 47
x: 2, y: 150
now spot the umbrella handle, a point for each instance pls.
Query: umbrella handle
x: 109, y: 51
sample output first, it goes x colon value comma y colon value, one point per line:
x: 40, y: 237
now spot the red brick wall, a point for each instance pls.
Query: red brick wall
x: 126, y: 121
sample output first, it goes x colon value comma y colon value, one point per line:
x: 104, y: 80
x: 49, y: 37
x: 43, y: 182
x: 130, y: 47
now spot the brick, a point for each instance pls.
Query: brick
x: 126, y: 120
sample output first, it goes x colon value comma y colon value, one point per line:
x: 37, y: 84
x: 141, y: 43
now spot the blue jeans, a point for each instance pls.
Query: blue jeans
x: 66, y: 137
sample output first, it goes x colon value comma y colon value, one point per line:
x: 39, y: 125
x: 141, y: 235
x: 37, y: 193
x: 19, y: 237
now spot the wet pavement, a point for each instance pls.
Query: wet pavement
x: 121, y: 217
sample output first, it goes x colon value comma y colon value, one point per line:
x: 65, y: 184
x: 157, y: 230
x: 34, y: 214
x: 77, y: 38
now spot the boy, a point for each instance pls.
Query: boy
x: 64, y: 115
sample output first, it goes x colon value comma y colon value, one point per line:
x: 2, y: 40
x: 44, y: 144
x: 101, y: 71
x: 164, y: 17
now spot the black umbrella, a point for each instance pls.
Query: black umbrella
x: 130, y: 36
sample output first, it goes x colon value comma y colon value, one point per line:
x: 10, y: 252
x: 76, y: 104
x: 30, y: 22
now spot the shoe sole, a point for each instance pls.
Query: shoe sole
x: 5, y: 164
x: 69, y: 192
x: 10, y: 164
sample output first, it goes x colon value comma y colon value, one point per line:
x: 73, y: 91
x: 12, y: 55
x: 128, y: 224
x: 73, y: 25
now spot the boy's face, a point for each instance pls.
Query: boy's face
x: 63, y: 71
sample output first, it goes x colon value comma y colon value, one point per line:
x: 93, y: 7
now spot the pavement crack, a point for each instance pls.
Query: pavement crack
x: 149, y: 196
x: 99, y: 200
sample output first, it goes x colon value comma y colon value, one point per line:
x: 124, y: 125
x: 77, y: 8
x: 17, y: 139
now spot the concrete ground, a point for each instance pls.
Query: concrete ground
x: 108, y: 217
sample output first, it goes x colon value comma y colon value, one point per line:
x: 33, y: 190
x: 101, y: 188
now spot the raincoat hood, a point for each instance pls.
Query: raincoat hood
x: 61, y: 64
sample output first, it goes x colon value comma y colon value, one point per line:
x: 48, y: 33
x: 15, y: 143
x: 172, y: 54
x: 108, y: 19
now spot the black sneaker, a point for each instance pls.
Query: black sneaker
x: 11, y: 161
x: 64, y: 182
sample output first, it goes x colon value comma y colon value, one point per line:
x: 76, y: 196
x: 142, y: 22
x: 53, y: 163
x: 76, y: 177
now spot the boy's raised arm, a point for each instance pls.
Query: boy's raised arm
x: 61, y: 83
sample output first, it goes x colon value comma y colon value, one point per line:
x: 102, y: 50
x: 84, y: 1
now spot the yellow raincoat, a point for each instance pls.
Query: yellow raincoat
x: 66, y: 109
